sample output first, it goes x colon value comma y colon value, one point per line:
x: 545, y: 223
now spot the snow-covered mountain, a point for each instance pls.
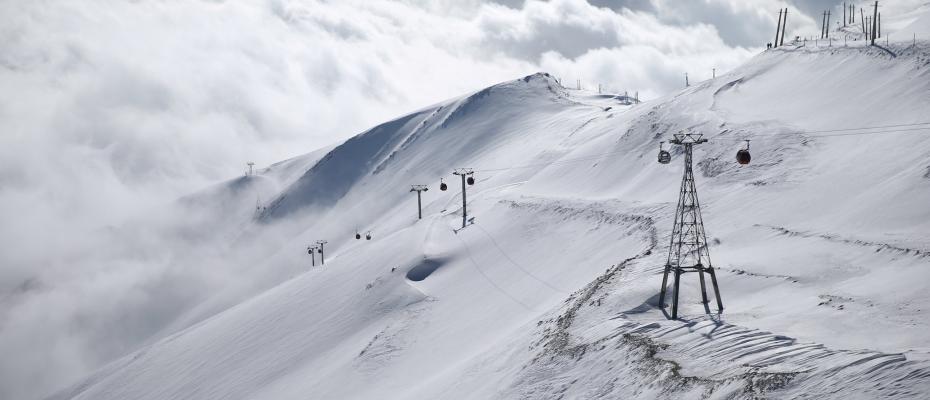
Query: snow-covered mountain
x: 820, y: 243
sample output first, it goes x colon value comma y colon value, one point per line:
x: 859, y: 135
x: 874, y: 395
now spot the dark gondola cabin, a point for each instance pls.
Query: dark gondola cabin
x: 442, y: 185
x: 664, y: 156
x: 742, y: 156
x: 470, y: 180
x: 358, y: 236
x: 368, y: 236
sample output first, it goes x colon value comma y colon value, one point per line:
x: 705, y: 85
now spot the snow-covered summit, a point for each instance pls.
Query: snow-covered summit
x: 400, y: 142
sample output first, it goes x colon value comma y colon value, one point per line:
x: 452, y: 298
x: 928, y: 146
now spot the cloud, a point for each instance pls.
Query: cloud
x: 631, y: 46
x: 112, y: 110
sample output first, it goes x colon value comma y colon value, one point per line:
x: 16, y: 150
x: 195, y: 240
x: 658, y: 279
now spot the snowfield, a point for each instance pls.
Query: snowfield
x: 821, y: 246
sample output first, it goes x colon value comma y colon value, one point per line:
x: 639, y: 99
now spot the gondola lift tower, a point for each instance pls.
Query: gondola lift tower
x: 688, y: 250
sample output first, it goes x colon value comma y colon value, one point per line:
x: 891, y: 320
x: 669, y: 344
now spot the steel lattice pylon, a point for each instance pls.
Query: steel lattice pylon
x: 688, y: 246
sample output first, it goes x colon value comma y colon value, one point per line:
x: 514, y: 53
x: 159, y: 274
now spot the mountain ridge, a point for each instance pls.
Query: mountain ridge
x: 552, y: 292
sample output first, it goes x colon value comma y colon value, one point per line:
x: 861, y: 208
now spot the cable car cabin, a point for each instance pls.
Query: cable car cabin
x: 470, y: 180
x: 368, y: 236
x: 664, y: 157
x: 442, y: 185
x: 319, y: 251
x: 743, y: 157
x: 358, y: 236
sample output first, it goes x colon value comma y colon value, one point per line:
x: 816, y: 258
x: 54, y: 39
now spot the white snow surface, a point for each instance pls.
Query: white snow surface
x: 821, y: 246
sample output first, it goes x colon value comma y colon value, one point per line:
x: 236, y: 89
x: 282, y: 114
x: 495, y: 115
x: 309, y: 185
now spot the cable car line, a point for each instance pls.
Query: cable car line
x: 557, y: 162
x: 770, y: 136
x: 829, y: 132
x: 487, y: 278
x: 775, y: 135
x: 520, y: 267
x: 916, y: 127
x: 743, y: 157
x: 869, y: 127
x: 874, y: 132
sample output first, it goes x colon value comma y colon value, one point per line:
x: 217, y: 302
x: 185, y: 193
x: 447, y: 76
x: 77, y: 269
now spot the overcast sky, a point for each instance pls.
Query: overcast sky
x: 110, y: 109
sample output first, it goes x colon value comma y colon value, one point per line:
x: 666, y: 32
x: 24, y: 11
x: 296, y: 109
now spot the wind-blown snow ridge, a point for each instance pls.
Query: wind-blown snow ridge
x: 333, y: 176
x: 709, y: 357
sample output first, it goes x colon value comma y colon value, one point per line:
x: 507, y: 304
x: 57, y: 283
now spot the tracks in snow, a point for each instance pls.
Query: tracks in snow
x: 590, y: 351
x: 583, y: 347
x: 877, y: 246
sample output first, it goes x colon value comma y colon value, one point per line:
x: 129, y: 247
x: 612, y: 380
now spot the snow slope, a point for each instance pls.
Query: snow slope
x: 821, y: 246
